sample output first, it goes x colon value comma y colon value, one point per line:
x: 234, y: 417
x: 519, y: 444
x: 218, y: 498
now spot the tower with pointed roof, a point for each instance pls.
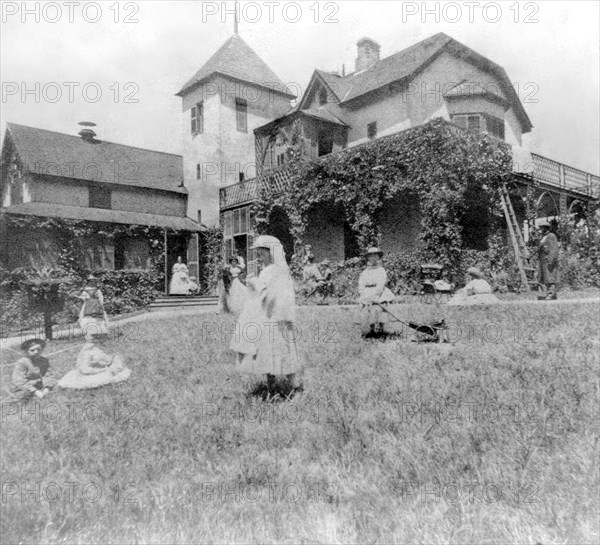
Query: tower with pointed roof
x: 233, y: 93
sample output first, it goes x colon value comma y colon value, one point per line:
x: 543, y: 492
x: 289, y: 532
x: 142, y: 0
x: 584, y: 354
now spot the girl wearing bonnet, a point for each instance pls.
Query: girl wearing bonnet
x: 265, y: 338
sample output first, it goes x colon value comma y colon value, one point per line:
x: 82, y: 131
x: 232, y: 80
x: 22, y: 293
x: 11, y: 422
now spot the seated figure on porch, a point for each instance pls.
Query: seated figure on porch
x: 180, y: 281
x: 233, y: 291
x: 373, y: 293
x: 476, y: 292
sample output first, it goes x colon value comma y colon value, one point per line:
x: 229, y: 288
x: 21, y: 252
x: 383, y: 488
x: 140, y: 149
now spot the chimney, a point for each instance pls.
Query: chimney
x: 86, y: 133
x: 368, y: 53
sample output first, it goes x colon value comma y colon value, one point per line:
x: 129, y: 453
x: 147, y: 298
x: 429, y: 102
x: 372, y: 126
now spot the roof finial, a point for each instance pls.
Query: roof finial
x: 235, y: 17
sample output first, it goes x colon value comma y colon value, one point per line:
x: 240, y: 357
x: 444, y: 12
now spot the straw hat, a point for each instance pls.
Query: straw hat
x: 26, y: 345
x: 474, y: 271
x: 374, y: 251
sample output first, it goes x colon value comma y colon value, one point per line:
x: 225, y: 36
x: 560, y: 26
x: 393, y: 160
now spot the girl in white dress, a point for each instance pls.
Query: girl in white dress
x: 180, y: 281
x: 476, y: 292
x: 233, y: 292
x: 373, y: 292
x: 266, y: 334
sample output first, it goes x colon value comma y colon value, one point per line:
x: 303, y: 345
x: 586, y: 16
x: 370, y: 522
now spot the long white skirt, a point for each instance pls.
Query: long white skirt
x: 462, y: 299
x: 78, y: 381
x: 263, y: 345
x: 234, y: 301
x: 180, y: 284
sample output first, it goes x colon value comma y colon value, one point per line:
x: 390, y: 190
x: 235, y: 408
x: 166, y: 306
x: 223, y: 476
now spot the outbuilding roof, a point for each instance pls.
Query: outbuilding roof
x: 54, y: 153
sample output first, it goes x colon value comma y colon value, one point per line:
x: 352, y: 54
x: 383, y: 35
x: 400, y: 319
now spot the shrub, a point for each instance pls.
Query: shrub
x: 123, y: 290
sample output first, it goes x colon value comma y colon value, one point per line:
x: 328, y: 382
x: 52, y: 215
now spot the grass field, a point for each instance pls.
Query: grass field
x: 491, y: 440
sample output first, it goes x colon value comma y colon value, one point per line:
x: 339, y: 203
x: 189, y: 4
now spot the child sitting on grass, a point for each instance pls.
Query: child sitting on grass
x: 95, y: 367
x: 32, y: 375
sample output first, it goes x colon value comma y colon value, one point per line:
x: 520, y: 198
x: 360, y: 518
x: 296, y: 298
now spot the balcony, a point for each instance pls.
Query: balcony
x: 274, y: 181
x: 542, y: 169
x: 564, y: 177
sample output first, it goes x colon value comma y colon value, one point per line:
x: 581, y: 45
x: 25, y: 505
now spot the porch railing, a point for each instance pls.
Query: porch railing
x: 274, y: 181
x: 565, y: 177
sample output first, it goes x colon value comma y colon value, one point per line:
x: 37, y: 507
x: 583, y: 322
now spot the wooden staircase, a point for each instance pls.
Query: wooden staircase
x: 174, y: 302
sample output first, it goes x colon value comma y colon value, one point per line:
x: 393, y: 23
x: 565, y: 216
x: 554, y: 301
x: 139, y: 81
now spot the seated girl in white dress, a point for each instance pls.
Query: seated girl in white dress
x: 94, y: 366
x: 476, y: 292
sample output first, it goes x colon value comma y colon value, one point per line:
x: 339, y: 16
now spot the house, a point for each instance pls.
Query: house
x: 436, y: 78
x: 47, y: 174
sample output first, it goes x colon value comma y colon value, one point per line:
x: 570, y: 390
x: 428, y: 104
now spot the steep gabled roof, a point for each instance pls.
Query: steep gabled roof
x: 237, y: 60
x: 55, y: 153
x: 406, y: 64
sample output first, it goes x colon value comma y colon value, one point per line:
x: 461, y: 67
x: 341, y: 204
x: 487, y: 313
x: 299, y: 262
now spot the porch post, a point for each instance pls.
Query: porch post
x: 166, y: 263
x: 197, y: 237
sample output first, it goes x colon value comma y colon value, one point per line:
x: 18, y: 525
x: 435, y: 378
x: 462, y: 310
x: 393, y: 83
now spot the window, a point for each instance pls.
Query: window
x: 228, y: 227
x: 198, y: 118
x: 280, y: 159
x: 100, y: 196
x: 480, y: 123
x: 241, y: 114
x: 495, y: 126
x: 236, y: 222
x: 325, y: 144
x: 198, y: 171
x: 241, y: 176
x: 470, y: 122
x: 322, y: 96
x: 372, y: 130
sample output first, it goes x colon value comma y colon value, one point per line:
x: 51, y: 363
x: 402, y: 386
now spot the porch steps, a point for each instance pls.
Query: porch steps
x: 174, y: 302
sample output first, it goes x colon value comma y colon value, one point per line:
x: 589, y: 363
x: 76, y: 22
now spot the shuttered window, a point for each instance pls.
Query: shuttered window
x: 198, y: 118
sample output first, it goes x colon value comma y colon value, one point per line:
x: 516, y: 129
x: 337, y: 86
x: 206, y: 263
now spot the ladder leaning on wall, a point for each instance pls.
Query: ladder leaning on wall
x: 521, y: 253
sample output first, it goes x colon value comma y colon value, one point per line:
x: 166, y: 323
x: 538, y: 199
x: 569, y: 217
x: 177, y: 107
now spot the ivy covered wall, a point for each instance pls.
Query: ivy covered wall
x: 453, y: 175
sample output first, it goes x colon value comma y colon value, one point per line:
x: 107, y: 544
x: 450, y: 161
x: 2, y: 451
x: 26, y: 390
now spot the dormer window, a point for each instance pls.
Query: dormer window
x: 469, y: 122
x: 495, y: 126
x: 322, y: 96
x: 480, y: 123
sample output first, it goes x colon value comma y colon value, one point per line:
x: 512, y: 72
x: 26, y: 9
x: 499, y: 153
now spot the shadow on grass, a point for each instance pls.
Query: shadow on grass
x: 277, y: 391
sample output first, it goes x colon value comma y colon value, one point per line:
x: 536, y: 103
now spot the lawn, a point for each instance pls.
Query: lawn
x: 491, y: 440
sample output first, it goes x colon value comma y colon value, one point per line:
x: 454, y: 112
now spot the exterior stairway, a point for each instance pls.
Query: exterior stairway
x: 174, y: 302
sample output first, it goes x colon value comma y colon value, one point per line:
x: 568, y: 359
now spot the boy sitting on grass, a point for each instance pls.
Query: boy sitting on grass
x: 32, y: 375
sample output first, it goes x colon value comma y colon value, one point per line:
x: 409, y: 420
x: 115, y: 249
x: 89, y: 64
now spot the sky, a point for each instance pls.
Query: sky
x: 119, y: 64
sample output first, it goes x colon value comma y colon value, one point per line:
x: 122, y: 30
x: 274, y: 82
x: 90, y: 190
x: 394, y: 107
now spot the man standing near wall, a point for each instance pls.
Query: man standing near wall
x: 548, y: 263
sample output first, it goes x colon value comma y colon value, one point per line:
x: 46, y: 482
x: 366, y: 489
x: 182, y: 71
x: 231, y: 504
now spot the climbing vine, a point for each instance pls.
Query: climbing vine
x: 447, y: 169
x: 124, y: 290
